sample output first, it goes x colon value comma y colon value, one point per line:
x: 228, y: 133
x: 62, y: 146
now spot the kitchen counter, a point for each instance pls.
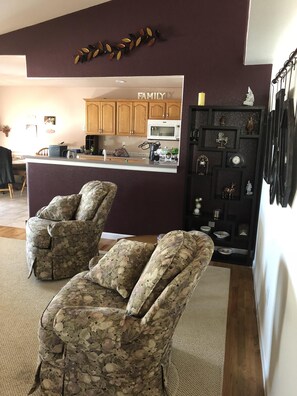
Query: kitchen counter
x: 97, y: 161
x: 149, y: 198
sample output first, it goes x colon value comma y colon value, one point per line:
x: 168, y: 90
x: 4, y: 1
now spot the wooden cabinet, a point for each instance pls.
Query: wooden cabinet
x: 169, y: 110
x: 132, y: 118
x: 100, y: 117
x: 225, y: 170
x: 127, y: 117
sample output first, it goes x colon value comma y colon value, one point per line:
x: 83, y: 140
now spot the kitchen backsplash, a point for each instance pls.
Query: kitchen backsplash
x: 110, y: 143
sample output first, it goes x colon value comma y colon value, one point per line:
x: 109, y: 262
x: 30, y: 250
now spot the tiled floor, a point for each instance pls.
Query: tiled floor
x: 13, y: 212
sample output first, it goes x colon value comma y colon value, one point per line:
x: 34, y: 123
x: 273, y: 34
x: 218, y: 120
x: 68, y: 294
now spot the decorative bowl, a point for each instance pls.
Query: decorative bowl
x: 205, y: 228
x: 221, y: 234
x: 225, y: 251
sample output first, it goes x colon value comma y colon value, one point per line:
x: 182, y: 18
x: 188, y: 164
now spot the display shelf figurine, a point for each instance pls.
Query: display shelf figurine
x: 202, y: 165
x: 249, y: 188
x: 222, y: 140
x: 222, y: 121
x: 197, y: 206
x: 250, y: 98
x: 195, y: 134
x: 229, y: 191
x: 250, y: 125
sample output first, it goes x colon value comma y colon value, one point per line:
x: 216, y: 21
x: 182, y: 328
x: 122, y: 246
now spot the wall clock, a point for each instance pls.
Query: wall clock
x: 235, y: 160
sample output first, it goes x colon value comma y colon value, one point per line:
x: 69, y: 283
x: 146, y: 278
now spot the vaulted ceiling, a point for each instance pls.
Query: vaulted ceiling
x: 265, y: 26
x: 17, y: 14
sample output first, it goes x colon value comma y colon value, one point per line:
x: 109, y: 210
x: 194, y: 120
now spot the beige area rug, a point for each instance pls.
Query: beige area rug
x: 199, y: 340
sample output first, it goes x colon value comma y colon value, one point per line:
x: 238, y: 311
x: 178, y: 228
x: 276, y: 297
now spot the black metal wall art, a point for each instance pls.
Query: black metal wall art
x: 281, y: 156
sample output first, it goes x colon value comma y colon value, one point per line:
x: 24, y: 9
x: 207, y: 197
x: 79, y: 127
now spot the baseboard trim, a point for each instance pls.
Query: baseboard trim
x: 111, y: 235
x: 259, y: 333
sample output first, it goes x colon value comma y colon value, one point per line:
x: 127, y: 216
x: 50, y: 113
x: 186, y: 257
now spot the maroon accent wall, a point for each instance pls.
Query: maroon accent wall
x: 205, y: 41
x: 146, y: 203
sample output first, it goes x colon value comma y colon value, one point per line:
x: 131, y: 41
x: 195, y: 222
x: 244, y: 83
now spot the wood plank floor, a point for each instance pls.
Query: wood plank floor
x: 242, y: 370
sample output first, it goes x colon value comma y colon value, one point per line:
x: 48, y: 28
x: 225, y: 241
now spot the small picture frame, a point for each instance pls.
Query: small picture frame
x: 49, y: 120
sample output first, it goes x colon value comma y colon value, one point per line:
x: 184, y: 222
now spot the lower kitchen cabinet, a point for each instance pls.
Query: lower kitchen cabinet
x: 224, y: 178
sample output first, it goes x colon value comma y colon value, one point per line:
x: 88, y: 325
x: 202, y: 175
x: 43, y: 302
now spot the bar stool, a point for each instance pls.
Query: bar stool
x: 24, y: 184
x: 22, y: 173
x: 9, y: 189
x: 6, y: 173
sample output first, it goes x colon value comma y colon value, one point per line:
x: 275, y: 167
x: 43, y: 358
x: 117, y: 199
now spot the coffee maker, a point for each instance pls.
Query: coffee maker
x: 153, y: 147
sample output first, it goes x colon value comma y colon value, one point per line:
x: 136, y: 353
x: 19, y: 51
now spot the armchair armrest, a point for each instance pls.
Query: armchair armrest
x: 73, y: 227
x: 102, y: 329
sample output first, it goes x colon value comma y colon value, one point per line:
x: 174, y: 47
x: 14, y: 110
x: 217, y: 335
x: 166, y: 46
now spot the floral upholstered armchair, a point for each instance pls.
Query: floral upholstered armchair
x: 109, y: 330
x: 63, y: 236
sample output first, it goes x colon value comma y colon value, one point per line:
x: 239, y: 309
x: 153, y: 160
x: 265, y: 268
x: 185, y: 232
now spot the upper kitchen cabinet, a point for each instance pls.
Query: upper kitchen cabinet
x: 169, y: 110
x: 132, y: 118
x: 100, y: 117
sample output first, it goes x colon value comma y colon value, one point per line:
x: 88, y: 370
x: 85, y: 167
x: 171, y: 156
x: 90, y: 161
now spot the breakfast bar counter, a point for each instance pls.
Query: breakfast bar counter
x: 149, y: 198
x: 111, y: 162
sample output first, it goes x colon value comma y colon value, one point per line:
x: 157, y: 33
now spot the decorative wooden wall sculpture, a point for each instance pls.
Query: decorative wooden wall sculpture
x: 123, y: 47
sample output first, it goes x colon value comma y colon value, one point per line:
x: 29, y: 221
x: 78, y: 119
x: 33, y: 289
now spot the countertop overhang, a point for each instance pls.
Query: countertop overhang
x: 119, y: 163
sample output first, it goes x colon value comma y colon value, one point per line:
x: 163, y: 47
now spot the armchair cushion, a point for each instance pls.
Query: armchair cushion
x: 60, y: 208
x: 92, y: 196
x: 120, y: 268
x: 171, y: 256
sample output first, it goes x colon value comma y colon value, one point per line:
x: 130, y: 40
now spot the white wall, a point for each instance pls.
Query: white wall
x: 24, y: 105
x: 275, y: 270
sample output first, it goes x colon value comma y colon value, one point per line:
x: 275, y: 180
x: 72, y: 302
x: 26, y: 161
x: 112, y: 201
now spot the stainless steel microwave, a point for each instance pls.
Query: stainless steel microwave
x: 163, y: 129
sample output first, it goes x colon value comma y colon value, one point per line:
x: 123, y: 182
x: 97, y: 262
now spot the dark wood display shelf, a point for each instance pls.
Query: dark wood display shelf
x: 221, y: 133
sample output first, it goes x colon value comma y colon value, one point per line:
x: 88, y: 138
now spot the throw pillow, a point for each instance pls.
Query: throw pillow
x: 60, y: 208
x: 120, y: 268
x: 92, y: 196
